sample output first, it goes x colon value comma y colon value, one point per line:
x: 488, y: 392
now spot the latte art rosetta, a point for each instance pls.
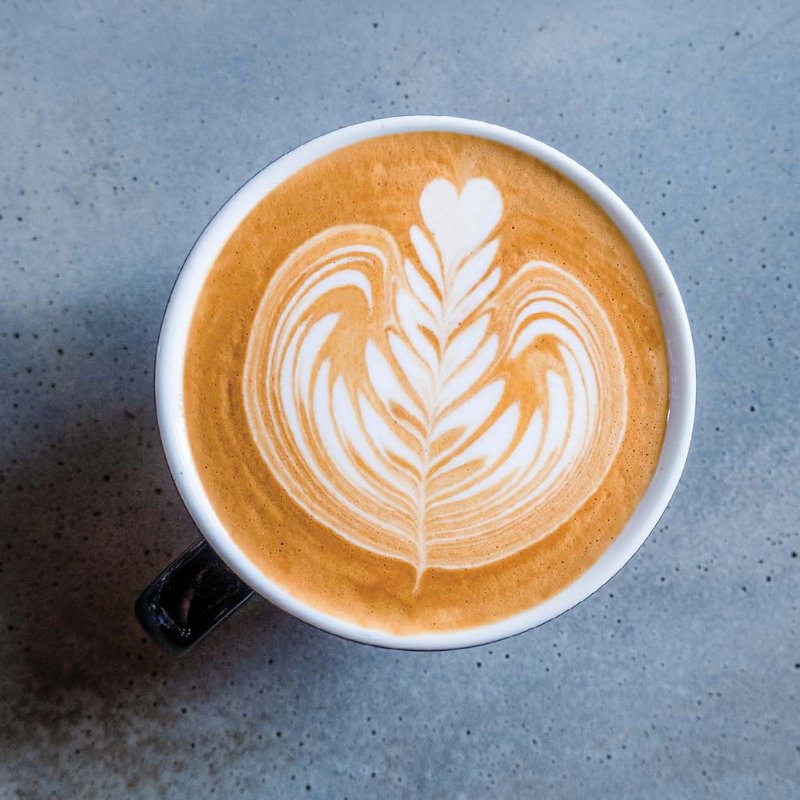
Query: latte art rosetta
x: 434, y: 406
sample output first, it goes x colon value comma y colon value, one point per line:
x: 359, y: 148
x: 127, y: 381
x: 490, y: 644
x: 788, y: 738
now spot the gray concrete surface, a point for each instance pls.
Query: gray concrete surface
x: 123, y: 127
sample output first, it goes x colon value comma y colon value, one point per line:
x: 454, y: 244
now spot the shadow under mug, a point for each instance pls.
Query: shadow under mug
x: 214, y: 577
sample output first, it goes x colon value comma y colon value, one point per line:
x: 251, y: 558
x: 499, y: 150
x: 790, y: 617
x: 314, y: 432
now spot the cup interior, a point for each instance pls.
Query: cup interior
x: 175, y: 332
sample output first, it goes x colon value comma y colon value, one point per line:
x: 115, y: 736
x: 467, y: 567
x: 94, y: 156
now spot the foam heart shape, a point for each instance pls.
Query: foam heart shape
x: 460, y: 222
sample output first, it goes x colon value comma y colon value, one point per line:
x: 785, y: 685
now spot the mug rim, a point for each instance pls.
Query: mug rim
x: 173, y: 340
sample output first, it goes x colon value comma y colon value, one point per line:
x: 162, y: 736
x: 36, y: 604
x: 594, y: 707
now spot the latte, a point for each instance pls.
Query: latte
x: 426, y: 382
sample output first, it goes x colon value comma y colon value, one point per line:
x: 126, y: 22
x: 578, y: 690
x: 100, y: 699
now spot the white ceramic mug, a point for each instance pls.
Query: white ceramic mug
x: 168, y: 620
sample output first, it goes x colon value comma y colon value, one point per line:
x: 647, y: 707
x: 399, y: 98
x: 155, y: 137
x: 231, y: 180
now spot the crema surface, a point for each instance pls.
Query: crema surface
x: 426, y: 383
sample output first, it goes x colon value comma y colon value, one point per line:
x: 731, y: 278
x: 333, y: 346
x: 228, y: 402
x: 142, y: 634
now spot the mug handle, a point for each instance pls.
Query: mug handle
x: 190, y: 598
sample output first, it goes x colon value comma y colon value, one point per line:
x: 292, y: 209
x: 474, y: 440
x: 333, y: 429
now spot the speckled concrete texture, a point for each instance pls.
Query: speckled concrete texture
x: 123, y: 127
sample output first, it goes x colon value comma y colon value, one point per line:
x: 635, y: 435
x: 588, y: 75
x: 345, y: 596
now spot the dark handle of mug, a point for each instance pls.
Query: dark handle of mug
x: 190, y: 598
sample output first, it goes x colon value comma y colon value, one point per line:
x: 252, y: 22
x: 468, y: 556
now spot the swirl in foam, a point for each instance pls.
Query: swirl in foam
x: 437, y: 408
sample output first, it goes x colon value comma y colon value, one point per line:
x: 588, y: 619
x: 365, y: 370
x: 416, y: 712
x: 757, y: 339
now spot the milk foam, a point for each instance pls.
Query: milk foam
x: 433, y: 406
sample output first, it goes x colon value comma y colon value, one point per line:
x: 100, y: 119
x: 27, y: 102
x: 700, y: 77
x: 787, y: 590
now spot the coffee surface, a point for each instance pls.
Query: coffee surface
x: 426, y: 383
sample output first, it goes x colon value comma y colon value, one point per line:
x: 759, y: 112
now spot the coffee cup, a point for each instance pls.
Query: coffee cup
x: 215, y: 576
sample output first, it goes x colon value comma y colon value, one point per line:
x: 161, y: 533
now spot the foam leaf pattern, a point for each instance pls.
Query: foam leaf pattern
x: 434, y: 407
